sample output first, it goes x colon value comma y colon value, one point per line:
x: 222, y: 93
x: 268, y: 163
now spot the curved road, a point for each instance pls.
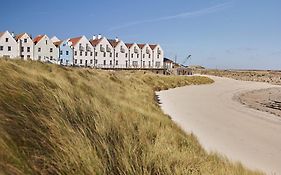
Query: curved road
x: 224, y: 125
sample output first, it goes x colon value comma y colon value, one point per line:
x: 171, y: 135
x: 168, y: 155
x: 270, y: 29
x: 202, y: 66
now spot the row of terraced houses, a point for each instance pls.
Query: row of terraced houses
x: 97, y: 52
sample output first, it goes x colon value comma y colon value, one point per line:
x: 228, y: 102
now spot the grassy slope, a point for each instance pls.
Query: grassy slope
x: 55, y: 120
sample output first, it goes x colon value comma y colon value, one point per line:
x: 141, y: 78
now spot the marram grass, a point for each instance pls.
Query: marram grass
x: 56, y: 120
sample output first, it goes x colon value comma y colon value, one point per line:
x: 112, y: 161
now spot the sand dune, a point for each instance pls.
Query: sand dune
x: 224, y: 125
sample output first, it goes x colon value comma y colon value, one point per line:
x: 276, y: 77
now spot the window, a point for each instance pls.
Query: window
x: 25, y: 40
x: 143, y: 63
x: 91, y: 61
x: 9, y: 48
x: 7, y: 40
x: 96, y: 53
x: 1, y: 48
x: 39, y: 57
x: 67, y: 52
x: 135, y: 63
x: 149, y: 56
x: 143, y: 55
x: 51, y: 57
x: 86, y: 62
x: 104, y: 62
x: 28, y: 49
x: 28, y: 56
x: 149, y: 63
x: 75, y: 53
x: 96, y: 61
x: 117, y: 55
x: 132, y: 56
x: 101, y: 47
x: 22, y: 49
x: 158, y: 56
x: 110, y: 62
x: 138, y: 55
x: 158, y: 64
x: 46, y: 42
x: 39, y: 49
x: 126, y: 55
x: 86, y: 53
x: 75, y: 61
x: 60, y: 52
x: 110, y: 55
x: 21, y: 56
x: 61, y: 60
x: 91, y: 53
x: 81, y: 61
x: 104, y: 54
x: 116, y: 63
x: 51, y: 50
x: 80, y: 53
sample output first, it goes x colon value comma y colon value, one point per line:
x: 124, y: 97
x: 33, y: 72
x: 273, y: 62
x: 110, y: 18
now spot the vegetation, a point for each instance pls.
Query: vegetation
x: 56, y: 120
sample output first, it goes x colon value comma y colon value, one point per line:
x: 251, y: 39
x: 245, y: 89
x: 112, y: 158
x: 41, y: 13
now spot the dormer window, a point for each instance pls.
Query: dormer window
x: 25, y: 40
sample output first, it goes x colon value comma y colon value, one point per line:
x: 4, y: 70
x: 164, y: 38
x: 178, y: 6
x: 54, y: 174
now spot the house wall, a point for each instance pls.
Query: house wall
x: 158, y: 59
x: 102, y: 57
x: 135, y: 57
x: 147, y: 61
x: 5, y: 45
x: 42, y: 51
x: 26, y: 47
x: 66, y: 54
x: 121, y: 59
x: 83, y: 57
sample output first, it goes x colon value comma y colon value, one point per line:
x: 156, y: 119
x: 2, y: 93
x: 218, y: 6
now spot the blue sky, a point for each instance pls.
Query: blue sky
x: 217, y: 33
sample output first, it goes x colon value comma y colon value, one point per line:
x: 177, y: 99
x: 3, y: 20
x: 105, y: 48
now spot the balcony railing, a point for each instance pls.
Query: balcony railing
x: 122, y: 50
x: 81, y: 48
x: 102, y: 49
x: 88, y: 48
x: 108, y: 49
x: 147, y: 51
x: 136, y: 50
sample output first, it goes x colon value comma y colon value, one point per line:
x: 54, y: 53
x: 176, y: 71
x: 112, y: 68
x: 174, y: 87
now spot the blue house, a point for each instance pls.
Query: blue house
x: 65, y: 52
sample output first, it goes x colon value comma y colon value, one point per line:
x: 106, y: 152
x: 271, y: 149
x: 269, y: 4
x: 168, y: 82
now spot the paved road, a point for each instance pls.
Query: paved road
x: 224, y: 125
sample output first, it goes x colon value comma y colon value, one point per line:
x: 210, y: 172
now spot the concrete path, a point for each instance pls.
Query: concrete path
x: 224, y: 125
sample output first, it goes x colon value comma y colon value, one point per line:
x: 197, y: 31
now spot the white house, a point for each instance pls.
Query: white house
x: 146, y: 56
x: 45, y: 50
x: 25, y: 46
x: 120, y: 53
x: 134, y: 55
x: 55, y: 39
x: 157, y: 56
x: 8, y: 45
x: 83, y: 52
x: 103, y: 52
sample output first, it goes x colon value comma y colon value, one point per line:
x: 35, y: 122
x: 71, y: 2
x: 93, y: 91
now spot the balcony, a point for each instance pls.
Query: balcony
x: 108, y: 49
x: 136, y: 50
x: 102, y: 49
x: 147, y: 51
x: 88, y: 48
x: 81, y: 48
x: 122, y: 50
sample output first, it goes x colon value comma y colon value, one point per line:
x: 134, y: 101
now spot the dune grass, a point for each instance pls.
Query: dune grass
x: 56, y: 120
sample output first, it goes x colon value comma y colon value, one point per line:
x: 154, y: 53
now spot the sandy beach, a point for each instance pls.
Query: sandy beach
x: 224, y: 125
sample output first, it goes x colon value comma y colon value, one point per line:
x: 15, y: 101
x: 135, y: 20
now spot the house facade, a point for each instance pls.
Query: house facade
x: 103, y: 52
x: 65, y: 53
x: 157, y: 56
x: 8, y: 45
x: 120, y: 53
x: 45, y: 50
x: 25, y: 46
x: 83, y: 52
x: 146, y: 56
x: 134, y: 55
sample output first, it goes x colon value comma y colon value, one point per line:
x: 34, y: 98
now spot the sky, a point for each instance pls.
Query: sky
x: 223, y: 34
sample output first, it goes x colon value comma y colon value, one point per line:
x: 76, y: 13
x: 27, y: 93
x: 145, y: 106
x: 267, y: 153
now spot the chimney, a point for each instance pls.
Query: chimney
x: 117, y: 39
x: 94, y: 37
x: 99, y: 36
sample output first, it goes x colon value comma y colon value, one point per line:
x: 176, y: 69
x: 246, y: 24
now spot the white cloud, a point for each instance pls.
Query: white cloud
x: 184, y: 15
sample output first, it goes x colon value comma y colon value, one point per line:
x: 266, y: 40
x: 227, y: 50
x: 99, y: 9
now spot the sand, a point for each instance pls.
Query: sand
x: 225, y: 125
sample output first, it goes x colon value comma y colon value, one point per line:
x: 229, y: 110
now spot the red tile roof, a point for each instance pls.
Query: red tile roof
x: 58, y: 43
x: 1, y: 33
x: 38, y: 38
x: 95, y: 42
x: 153, y: 46
x: 129, y: 45
x: 141, y: 45
x: 19, y: 36
x: 75, y: 40
x: 113, y: 42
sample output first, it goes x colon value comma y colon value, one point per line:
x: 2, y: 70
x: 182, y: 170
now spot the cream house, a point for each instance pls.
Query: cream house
x: 146, y: 56
x: 25, y: 46
x: 134, y: 55
x: 45, y: 50
x: 83, y: 51
x: 120, y: 53
x: 157, y: 56
x: 8, y: 45
x: 103, y: 52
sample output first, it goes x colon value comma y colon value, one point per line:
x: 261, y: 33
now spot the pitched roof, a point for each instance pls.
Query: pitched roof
x: 167, y: 60
x: 1, y: 33
x: 153, y: 46
x: 75, y: 40
x: 38, y: 38
x: 95, y: 42
x: 19, y: 36
x: 113, y: 42
x: 141, y: 46
x: 58, y: 43
x: 129, y: 45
